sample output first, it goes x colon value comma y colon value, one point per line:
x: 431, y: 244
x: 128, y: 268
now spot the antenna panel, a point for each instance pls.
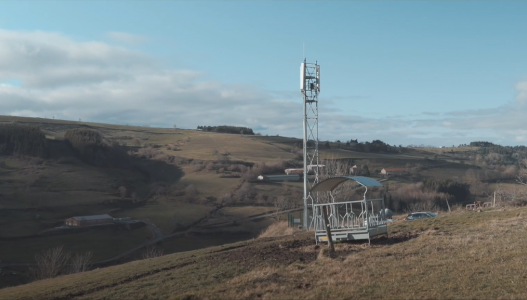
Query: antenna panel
x: 302, y: 76
x: 318, y: 78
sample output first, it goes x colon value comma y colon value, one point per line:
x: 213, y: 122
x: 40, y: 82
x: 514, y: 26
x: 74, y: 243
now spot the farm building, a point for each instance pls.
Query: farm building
x: 300, y: 171
x: 294, y: 171
x: 394, y: 171
x: 279, y: 178
x: 89, y: 220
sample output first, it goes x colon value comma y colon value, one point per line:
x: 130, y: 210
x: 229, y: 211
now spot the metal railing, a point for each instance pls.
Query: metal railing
x: 350, y: 215
x: 483, y: 205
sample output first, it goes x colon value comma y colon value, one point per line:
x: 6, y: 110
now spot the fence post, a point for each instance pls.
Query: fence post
x: 494, y: 205
x: 328, y: 230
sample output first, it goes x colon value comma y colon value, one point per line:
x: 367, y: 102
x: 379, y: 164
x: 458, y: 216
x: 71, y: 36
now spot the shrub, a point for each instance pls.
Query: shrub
x: 191, y: 192
x: 246, y: 191
x: 136, y: 142
x: 227, y: 129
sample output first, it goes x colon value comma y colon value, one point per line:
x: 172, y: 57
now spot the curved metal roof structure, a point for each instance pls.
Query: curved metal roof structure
x: 331, y: 183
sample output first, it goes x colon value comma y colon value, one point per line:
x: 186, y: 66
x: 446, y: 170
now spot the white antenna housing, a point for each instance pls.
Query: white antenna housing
x: 302, y: 76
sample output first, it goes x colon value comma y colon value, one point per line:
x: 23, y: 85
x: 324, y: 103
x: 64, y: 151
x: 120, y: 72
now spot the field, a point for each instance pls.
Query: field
x: 115, y: 241
x: 459, y: 255
x: 166, y: 216
x: 39, y: 194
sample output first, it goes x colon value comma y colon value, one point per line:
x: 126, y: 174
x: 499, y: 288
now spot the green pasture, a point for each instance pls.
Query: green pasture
x: 209, y: 184
x: 235, y: 147
x: 166, y: 215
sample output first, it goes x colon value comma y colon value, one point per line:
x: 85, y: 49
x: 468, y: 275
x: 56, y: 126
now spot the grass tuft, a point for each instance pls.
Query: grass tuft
x: 276, y: 229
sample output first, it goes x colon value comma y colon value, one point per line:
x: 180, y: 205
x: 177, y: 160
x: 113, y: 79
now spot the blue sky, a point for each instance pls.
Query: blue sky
x: 405, y: 72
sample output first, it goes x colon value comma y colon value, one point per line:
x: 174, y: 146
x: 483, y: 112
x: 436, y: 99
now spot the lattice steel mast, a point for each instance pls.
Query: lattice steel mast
x: 310, y: 87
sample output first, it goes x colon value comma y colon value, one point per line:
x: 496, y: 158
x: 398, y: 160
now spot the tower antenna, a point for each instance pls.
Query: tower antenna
x: 310, y: 88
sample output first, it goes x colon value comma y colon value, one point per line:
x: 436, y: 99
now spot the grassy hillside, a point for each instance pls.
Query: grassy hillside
x: 462, y: 255
x: 38, y: 194
x: 192, y: 186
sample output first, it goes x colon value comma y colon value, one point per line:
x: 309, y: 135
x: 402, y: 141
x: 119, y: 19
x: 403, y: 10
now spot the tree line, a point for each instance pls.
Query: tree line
x: 227, y: 129
x: 375, y: 146
x: 16, y: 139
x: 93, y: 149
x: 429, y: 193
x: 481, y: 144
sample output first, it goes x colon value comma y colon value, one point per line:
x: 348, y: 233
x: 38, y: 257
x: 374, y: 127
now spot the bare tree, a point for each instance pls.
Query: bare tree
x: 421, y: 206
x: 281, y: 204
x: 151, y: 252
x: 333, y: 168
x: 123, y: 192
x: 81, y: 262
x: 136, y: 142
x: 49, y: 263
x: 521, y: 178
x: 260, y: 199
x: 246, y: 191
x: 512, y: 195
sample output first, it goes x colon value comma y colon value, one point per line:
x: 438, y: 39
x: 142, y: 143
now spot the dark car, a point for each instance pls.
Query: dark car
x: 420, y: 215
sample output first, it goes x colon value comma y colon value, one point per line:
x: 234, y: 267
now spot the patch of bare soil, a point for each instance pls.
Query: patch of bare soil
x: 394, y: 238
x: 300, y: 248
x: 280, y: 253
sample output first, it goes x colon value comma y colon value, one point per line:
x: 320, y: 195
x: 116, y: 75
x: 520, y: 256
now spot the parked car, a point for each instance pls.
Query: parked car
x: 420, y: 215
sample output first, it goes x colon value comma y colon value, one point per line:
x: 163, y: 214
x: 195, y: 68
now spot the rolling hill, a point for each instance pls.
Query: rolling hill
x: 188, y: 188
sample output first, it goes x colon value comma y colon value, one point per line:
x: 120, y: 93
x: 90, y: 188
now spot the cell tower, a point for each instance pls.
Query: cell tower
x: 310, y: 87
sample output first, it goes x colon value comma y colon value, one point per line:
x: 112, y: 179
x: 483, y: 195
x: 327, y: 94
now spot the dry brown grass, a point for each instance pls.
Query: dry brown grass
x: 276, y: 229
x: 202, y: 144
x: 462, y: 255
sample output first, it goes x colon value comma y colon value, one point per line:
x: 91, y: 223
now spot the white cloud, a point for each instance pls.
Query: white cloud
x: 521, y: 87
x: 98, y: 82
x: 49, y: 60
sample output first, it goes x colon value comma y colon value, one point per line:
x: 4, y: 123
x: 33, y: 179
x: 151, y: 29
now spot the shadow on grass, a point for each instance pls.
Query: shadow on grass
x: 135, y: 172
x: 345, y: 248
